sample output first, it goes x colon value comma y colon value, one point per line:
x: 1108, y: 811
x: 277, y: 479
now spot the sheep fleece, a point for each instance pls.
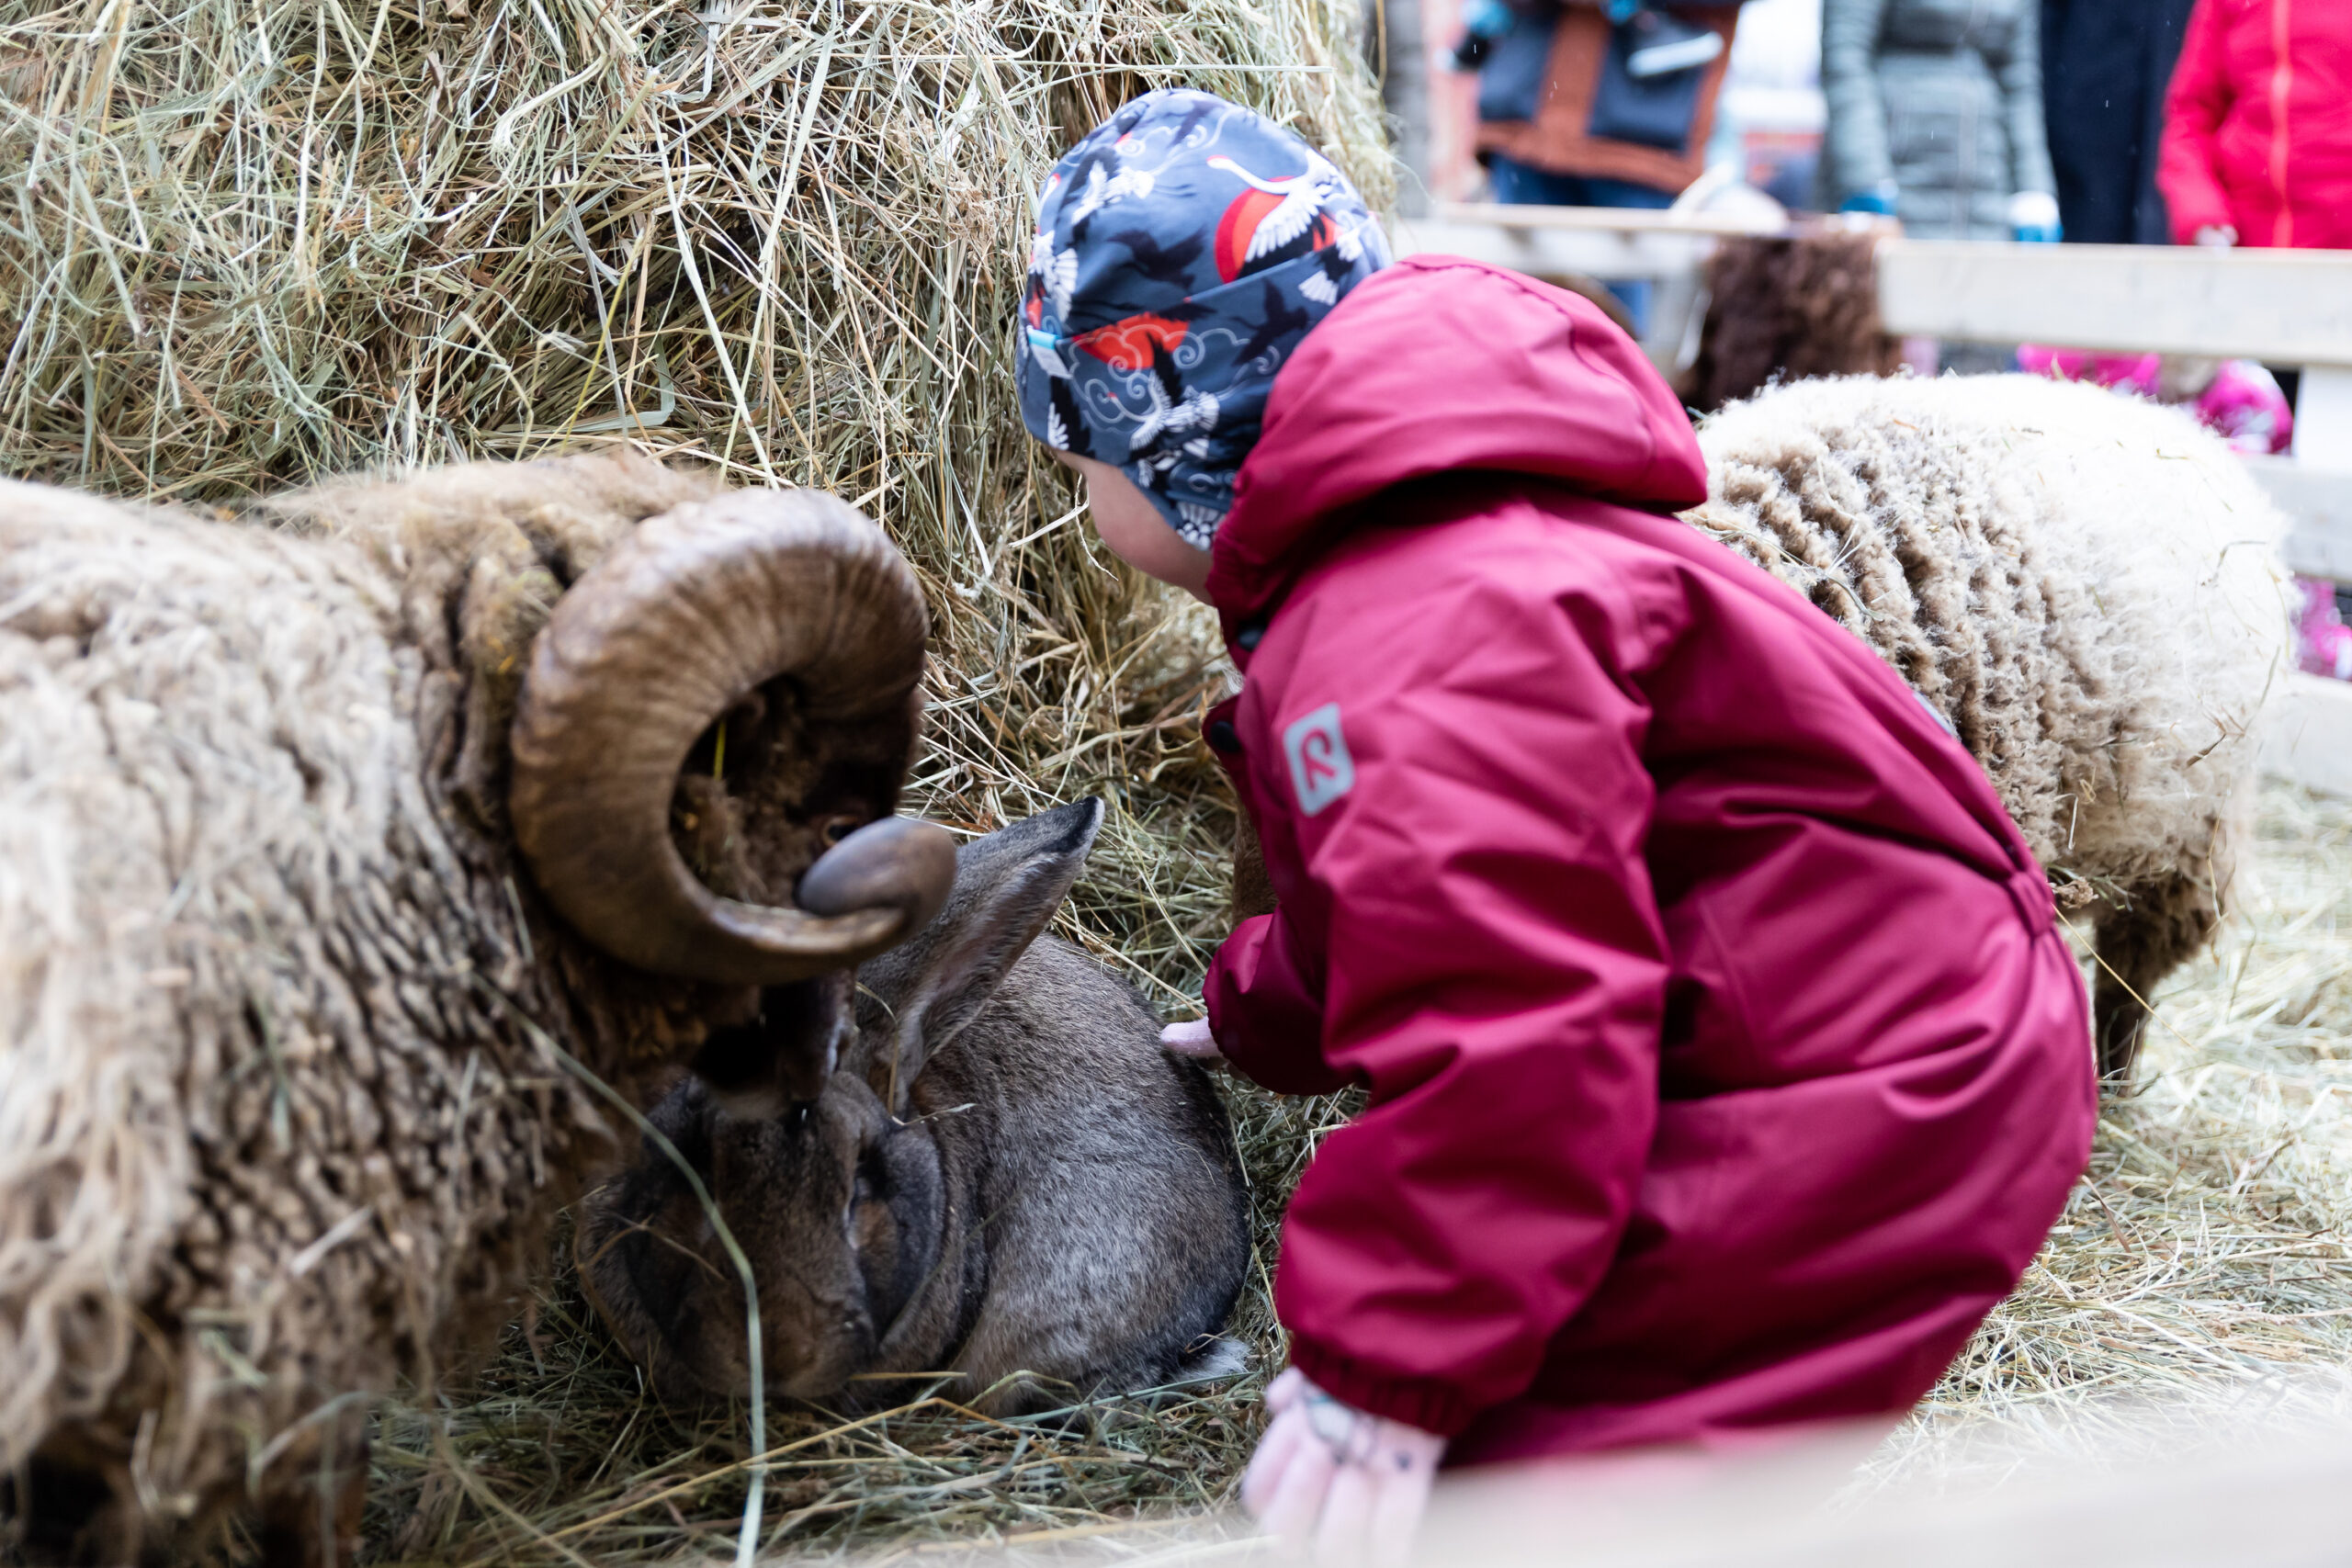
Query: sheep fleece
x: 273, y: 1127
x: 2100, y: 629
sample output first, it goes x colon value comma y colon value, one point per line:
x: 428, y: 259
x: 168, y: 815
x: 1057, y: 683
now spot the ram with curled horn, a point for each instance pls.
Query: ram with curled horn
x: 346, y: 865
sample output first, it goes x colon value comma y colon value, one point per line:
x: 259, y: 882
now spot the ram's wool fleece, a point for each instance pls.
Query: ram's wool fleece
x: 273, y: 1125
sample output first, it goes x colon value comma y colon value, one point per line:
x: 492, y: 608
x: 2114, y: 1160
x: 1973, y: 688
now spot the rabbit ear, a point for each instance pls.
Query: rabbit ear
x: 1008, y: 884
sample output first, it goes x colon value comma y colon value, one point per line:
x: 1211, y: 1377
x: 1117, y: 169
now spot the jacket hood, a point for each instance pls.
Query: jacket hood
x: 1440, y: 364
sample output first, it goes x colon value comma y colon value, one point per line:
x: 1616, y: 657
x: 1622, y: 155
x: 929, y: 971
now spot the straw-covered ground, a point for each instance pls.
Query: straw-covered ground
x: 2203, y: 1273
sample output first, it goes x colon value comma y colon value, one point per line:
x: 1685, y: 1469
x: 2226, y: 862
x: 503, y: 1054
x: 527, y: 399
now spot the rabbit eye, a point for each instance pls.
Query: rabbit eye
x: 872, y: 1183
x: 833, y: 830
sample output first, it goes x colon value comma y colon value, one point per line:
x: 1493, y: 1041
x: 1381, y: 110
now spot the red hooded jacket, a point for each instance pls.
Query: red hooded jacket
x: 2258, y: 124
x: 1725, y: 1065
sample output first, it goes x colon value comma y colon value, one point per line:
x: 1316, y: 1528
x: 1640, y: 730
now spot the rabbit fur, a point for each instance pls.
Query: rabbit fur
x: 1006, y: 1178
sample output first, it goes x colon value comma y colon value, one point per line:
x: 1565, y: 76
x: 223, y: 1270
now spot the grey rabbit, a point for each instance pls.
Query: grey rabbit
x: 1004, y: 1173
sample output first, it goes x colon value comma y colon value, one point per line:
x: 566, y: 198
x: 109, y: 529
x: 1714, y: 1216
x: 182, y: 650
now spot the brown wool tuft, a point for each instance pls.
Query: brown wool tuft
x: 1787, y: 309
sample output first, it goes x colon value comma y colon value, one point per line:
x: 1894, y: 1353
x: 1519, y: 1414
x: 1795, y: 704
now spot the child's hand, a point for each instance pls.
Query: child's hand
x: 1348, y: 1485
x: 1192, y: 1040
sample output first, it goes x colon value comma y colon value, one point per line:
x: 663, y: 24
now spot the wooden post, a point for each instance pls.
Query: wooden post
x: 2308, y: 739
x: 1609, y: 243
x: 2284, y: 307
x: 1399, y: 52
x: 2323, y: 418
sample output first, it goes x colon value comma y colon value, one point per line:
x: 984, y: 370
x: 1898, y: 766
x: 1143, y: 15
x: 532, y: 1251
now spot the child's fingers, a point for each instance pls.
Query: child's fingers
x: 1275, y: 1452
x: 1190, y: 1039
x: 1290, y: 1512
x: 1404, y: 1496
x: 1284, y: 1392
x: 1342, y: 1536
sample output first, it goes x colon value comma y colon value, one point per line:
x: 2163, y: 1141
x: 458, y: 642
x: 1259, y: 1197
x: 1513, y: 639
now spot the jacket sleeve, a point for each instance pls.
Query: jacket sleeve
x: 2019, y: 73
x: 1265, y: 1010
x: 1857, y: 143
x: 2194, y: 106
x: 1496, y: 978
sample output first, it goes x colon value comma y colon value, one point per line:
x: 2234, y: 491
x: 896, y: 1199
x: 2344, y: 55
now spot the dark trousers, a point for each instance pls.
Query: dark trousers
x: 2105, y: 65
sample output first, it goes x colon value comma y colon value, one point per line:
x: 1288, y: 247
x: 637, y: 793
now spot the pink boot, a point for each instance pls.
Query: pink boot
x: 2245, y: 408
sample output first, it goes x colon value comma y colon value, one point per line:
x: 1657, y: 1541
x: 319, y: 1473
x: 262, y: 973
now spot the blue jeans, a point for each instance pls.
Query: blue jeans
x: 1516, y: 184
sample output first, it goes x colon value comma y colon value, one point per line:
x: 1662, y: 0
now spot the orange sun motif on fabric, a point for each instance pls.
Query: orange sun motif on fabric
x: 1127, y: 345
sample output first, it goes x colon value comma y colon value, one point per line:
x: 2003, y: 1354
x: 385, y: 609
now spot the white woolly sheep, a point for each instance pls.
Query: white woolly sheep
x: 319, y: 857
x: 2080, y: 584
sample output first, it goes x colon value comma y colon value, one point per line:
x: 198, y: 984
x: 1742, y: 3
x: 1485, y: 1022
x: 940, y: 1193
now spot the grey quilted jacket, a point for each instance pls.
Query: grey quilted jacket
x: 1942, y: 97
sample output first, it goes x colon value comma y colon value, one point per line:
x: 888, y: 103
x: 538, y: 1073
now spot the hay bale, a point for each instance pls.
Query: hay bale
x: 248, y: 246
x: 252, y: 245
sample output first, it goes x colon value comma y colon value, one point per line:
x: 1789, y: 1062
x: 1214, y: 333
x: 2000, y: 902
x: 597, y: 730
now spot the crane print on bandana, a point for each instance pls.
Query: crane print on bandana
x: 1182, y: 250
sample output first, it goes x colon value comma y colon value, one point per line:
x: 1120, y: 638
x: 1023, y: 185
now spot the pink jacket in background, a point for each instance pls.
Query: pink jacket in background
x: 1725, y: 1064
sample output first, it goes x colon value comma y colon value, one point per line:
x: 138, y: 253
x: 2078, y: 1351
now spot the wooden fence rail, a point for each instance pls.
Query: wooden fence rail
x: 2288, y: 307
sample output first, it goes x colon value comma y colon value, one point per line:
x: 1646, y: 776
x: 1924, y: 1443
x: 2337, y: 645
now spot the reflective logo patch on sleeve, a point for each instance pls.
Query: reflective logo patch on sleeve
x: 1320, y: 769
x: 1936, y: 713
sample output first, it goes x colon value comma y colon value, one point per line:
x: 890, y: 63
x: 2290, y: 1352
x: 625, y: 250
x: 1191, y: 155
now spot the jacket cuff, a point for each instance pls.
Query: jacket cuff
x: 2194, y: 209
x: 2186, y: 224
x: 1265, y: 1032
x: 1417, y: 1402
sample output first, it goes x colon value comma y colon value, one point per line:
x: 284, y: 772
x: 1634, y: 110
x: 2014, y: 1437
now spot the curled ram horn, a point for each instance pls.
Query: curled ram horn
x: 689, y: 616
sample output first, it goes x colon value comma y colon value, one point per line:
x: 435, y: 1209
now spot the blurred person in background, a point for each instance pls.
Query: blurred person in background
x: 2104, y: 67
x: 1587, y: 104
x: 1770, y: 116
x: 1935, y: 116
x: 2257, y: 150
x: 2237, y: 400
x: 2257, y: 140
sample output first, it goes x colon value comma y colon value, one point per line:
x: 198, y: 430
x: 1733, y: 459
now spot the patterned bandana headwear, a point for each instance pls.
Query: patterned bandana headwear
x: 1184, y: 249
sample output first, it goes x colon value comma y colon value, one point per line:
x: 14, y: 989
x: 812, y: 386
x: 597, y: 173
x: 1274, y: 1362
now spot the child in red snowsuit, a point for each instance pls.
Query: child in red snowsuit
x: 1725, y: 1065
